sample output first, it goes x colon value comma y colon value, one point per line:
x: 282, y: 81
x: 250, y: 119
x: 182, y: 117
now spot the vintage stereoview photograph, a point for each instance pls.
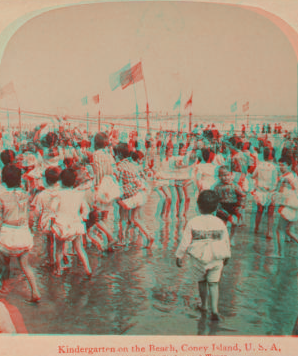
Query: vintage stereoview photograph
x: 149, y: 162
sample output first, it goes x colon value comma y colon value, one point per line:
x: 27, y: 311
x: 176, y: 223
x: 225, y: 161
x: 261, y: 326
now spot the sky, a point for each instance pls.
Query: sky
x: 220, y: 53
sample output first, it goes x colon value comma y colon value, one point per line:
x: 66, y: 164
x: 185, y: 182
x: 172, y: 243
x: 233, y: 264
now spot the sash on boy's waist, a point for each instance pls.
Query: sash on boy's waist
x: 204, y: 235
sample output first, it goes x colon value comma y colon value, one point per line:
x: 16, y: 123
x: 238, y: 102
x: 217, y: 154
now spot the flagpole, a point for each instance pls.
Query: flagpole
x: 20, y: 121
x: 137, y: 108
x: 147, y: 104
x: 98, y: 122
x: 179, y: 115
x: 87, y: 125
x: 7, y: 115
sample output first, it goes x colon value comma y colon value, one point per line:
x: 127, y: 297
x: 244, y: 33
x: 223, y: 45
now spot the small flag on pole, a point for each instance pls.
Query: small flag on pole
x: 245, y: 107
x: 189, y: 103
x: 131, y: 76
x: 178, y: 103
x: 95, y: 99
x: 7, y: 90
x: 234, y: 107
x: 84, y: 100
x: 114, y: 78
x: 126, y: 76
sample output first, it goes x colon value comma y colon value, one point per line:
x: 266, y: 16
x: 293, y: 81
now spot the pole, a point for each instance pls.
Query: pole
x: 20, y: 120
x: 87, y: 124
x: 7, y: 115
x: 147, y: 105
x: 98, y: 122
x: 190, y: 123
x: 147, y: 113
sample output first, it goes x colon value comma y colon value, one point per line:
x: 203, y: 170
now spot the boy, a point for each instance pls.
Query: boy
x: 206, y: 240
x: 286, y: 198
x: 231, y: 198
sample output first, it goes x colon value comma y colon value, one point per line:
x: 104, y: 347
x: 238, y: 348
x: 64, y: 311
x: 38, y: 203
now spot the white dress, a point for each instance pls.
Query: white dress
x: 15, y: 236
x: 70, y: 210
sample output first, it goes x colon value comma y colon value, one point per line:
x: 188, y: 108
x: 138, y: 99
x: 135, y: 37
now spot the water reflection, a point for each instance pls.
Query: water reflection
x: 139, y: 291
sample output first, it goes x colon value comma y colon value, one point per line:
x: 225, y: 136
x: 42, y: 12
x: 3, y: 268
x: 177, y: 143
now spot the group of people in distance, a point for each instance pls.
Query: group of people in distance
x: 67, y: 187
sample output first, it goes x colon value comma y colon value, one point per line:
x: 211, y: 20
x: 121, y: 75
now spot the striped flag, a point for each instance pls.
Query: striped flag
x: 84, y: 100
x: 245, y: 107
x: 234, y: 107
x: 131, y: 76
x: 114, y: 78
x: 178, y: 103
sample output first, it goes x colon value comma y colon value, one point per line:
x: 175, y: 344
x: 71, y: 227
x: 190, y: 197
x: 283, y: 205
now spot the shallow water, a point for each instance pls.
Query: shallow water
x: 136, y: 291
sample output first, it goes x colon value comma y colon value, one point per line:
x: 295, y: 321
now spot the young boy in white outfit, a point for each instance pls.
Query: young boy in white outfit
x: 206, y: 240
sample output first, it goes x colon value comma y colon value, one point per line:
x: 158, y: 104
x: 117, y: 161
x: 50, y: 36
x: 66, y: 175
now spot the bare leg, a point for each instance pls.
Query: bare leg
x: 213, y: 289
x: 203, y: 291
x: 5, y: 273
x: 102, y: 227
x: 180, y: 200
x: 78, y: 246
x: 280, y: 232
x: 269, y: 234
x: 187, y: 199
x: 24, y: 263
x: 259, y: 214
x: 59, y: 256
x: 143, y: 230
x: 50, y: 249
x: 290, y: 230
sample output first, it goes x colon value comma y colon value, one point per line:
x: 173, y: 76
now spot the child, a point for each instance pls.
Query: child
x: 231, y: 199
x: 41, y: 212
x: 265, y: 177
x: 206, y: 240
x: 68, y: 223
x: 286, y: 197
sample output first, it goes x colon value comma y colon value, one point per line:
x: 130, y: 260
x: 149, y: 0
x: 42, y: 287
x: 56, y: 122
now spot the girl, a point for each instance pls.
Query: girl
x: 15, y: 237
x: 68, y: 223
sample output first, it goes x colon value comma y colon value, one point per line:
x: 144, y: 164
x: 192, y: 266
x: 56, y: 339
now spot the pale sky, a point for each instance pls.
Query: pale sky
x: 221, y: 53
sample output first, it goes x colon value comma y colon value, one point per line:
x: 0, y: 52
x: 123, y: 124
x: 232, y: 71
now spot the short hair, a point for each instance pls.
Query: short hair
x: 122, y: 150
x: 285, y: 159
x: 101, y: 140
x: 68, y: 177
x: 68, y: 162
x: 52, y: 175
x: 223, y: 168
x: 137, y: 155
x: 7, y: 156
x: 11, y: 175
x: 208, y: 155
x: 51, y: 139
x: 239, y: 145
x: 268, y: 153
x: 208, y: 201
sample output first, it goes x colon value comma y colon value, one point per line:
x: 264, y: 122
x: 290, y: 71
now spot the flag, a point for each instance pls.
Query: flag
x: 234, y: 107
x: 95, y: 98
x: 178, y: 103
x: 114, y: 78
x: 131, y: 76
x: 7, y: 90
x: 245, y: 107
x: 84, y: 100
x: 189, y: 103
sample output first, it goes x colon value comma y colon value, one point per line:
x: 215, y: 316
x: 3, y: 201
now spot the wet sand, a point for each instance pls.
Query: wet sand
x: 135, y: 291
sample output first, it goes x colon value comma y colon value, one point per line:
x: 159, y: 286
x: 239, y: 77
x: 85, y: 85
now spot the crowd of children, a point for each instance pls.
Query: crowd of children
x: 67, y: 187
